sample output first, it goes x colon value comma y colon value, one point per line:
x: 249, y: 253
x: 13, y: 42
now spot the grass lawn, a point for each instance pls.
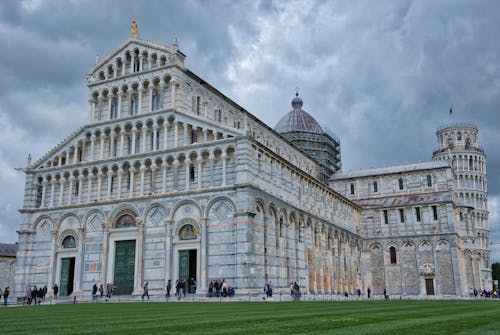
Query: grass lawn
x: 374, y: 317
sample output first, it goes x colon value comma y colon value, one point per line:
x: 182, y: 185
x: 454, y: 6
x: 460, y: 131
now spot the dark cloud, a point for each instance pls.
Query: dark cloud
x: 382, y: 75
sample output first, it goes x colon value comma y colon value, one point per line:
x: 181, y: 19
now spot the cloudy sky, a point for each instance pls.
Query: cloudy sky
x: 381, y: 74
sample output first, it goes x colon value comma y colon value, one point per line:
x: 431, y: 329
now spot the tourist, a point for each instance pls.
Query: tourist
x: 224, y: 288
x: 94, y: 293
x: 28, y: 295
x: 210, y: 289
x: 169, y: 287
x: 146, y: 291
x: 40, y: 295
x: 296, y: 292
x: 268, y: 289
x: 184, y: 287
x: 44, y: 290
x: 109, y: 291
x: 177, y: 287
x: 34, y: 295
x: 6, y: 296
x: 369, y: 293
x: 359, y: 293
x: 55, y: 291
x: 346, y: 295
x: 101, y: 291
x: 217, y: 289
x: 192, y: 285
x: 386, y: 296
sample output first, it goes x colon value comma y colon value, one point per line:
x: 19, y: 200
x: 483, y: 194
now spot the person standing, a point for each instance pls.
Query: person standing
x: 146, y: 291
x: 369, y: 293
x: 94, y: 293
x: 55, y: 291
x: 268, y: 288
x: 169, y: 287
x: 6, y: 296
x: 296, y: 292
x: 101, y: 290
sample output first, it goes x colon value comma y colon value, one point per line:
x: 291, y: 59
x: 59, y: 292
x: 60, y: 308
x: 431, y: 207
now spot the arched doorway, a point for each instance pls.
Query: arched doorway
x: 187, y: 246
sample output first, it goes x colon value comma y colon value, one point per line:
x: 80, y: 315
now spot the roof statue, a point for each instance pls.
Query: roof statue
x: 134, y: 29
x: 175, y: 44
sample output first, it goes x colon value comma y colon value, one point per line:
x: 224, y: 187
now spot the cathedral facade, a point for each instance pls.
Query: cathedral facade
x: 170, y: 179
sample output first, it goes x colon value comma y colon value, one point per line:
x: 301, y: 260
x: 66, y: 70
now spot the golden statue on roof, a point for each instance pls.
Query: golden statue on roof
x: 134, y: 29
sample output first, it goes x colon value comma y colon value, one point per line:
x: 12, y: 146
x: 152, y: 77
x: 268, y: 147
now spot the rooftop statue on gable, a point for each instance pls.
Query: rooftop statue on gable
x: 134, y: 29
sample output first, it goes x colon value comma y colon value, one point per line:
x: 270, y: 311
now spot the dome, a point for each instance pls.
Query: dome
x: 298, y: 120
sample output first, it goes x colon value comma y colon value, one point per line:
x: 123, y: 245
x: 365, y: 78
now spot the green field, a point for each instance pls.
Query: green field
x: 374, y: 317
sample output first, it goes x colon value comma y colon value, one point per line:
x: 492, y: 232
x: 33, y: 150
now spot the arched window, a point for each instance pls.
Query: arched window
x: 134, y: 104
x: 401, y: 185
x: 125, y: 221
x: 459, y: 136
x: 114, y: 109
x: 429, y: 180
x: 375, y: 186
x: 352, y: 188
x: 188, y: 232
x: 69, y: 242
x: 467, y: 143
x: 392, y: 252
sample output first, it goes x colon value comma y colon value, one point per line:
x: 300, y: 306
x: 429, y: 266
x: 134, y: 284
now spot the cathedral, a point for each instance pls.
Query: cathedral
x: 170, y: 179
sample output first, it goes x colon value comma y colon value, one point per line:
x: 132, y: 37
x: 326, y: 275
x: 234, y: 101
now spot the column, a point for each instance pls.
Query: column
x: 164, y: 177
x: 80, y: 188
x: 141, y: 57
x: 205, y: 135
x: 143, y: 170
x: 52, y: 261
x: 150, y: 98
x: 83, y: 151
x: 61, y: 191
x: 132, y: 61
x: 199, y: 161
x: 165, y: 135
x: 79, y: 261
x: 173, y: 85
x: 119, y: 188
x: 155, y: 139
x: 101, y: 142
x: 119, y: 108
x: 134, y: 135
x: 185, y: 133
x: 168, y: 251
x: 67, y: 157
x: 175, y: 165
x: 132, y: 172
x: 104, y: 266
x: 188, y: 165
x: 109, y: 106
x: 139, y: 103
x: 211, y: 159
x: 75, y: 153
x: 70, y: 193
x: 99, y: 185
x: 92, y: 147
x: 176, y: 134
x: 223, y: 157
x: 89, y: 178
x: 204, y: 254
x: 110, y: 179
x: 140, y: 248
x: 91, y: 111
x: 143, y: 144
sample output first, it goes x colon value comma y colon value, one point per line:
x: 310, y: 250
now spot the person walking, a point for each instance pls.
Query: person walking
x: 369, y: 293
x: 6, y: 292
x: 146, y: 291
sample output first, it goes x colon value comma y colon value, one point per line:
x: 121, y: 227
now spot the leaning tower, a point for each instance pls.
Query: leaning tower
x: 458, y: 143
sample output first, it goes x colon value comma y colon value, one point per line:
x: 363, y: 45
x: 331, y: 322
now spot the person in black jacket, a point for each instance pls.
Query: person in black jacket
x: 6, y: 296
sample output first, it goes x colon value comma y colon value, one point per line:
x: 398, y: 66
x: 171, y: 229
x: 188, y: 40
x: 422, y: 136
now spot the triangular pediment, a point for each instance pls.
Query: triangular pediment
x: 129, y: 50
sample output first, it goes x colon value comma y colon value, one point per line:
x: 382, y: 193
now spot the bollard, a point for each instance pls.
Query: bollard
x: 74, y: 299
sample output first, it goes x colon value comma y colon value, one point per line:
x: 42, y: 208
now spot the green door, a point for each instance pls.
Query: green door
x: 67, y: 276
x: 124, y: 267
x: 184, y: 264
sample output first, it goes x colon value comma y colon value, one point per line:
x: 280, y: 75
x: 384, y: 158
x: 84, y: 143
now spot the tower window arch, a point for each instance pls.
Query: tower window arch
x: 429, y: 180
x: 400, y: 182
x: 352, y: 188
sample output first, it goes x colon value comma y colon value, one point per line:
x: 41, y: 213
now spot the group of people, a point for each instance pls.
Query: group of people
x: 35, y: 295
x: 473, y: 293
x: 5, y: 295
x: 219, y: 289
x: 98, y: 292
